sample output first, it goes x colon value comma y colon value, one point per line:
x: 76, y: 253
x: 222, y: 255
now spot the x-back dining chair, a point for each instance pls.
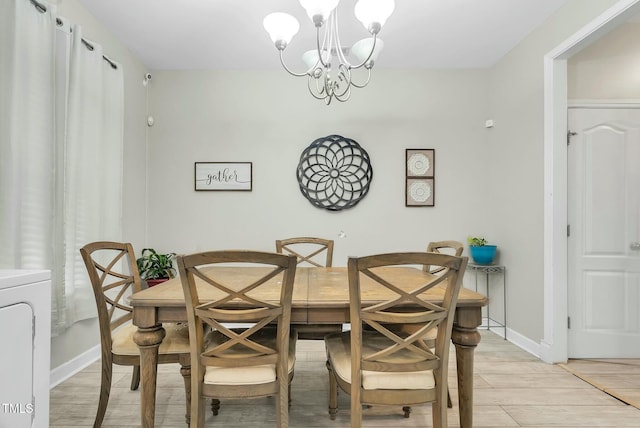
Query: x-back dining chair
x: 114, y: 275
x: 315, y: 252
x: 383, y: 365
x: 307, y: 250
x: 256, y: 361
x: 454, y: 248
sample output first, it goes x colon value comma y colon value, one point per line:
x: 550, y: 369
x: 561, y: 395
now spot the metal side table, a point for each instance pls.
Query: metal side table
x: 489, y: 270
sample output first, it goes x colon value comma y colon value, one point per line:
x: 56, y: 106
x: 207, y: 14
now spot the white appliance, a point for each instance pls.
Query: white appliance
x: 25, y: 335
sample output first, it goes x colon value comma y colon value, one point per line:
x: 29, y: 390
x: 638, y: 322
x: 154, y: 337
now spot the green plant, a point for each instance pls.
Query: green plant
x: 477, y: 241
x: 153, y: 265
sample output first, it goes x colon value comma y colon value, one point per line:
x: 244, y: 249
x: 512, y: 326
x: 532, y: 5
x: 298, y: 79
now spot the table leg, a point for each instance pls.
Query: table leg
x: 148, y: 340
x: 465, y: 337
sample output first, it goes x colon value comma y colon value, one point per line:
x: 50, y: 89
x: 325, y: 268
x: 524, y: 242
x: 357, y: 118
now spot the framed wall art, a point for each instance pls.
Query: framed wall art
x: 419, y: 192
x: 420, y: 162
x: 420, y: 167
x: 218, y: 176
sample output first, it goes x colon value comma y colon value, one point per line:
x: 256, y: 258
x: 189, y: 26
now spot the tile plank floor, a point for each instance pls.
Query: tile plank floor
x: 512, y: 389
x: 617, y: 377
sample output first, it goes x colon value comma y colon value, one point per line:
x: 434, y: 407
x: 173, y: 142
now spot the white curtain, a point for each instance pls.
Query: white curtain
x: 27, y: 145
x: 94, y: 162
x: 61, y: 145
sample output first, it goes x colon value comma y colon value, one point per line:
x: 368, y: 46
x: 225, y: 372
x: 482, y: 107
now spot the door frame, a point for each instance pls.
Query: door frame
x: 554, y: 344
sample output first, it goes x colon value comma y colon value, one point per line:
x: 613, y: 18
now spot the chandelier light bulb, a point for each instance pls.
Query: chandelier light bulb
x: 362, y: 48
x: 310, y: 58
x: 374, y: 13
x: 319, y: 10
x: 281, y: 28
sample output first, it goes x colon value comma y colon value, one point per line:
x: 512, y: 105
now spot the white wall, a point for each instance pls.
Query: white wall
x: 517, y: 164
x: 609, y: 69
x: 85, y: 335
x: 268, y: 118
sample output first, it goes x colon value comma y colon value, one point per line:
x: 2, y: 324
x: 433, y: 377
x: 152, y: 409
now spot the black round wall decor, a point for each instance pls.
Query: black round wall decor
x: 334, y: 173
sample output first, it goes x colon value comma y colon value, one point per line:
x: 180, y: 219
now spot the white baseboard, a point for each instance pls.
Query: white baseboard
x: 71, y: 367
x: 523, y: 342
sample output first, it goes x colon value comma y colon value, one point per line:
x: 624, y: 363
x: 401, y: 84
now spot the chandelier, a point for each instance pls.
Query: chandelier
x: 328, y: 69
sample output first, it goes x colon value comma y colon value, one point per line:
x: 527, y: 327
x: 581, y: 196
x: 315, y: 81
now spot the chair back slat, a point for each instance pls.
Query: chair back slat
x: 306, y: 249
x: 374, y: 366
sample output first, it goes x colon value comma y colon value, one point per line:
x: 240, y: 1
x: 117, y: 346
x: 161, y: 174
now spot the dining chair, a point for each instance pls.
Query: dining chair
x: 113, y: 274
x: 443, y: 247
x: 307, y: 250
x: 454, y: 248
x: 439, y: 247
x: 386, y: 366
x: 310, y: 251
x: 229, y: 362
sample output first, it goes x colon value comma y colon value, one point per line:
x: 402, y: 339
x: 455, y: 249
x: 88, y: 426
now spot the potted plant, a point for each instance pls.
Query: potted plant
x: 481, y: 253
x: 154, y: 267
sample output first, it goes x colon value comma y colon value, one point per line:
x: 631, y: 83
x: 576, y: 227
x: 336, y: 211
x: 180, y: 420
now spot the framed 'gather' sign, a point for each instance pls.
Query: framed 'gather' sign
x: 223, y: 176
x: 420, y: 167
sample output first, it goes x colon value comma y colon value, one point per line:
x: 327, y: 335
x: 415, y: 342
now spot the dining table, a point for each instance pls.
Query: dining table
x: 320, y: 296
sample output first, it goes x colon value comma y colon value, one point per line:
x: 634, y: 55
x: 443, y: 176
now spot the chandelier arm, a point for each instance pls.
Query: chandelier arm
x: 324, y: 44
x: 373, y: 48
x: 344, y: 96
x: 345, y: 72
x: 319, y: 95
x: 340, y: 54
x: 366, y: 82
x: 323, y: 92
x: 321, y: 84
x: 293, y: 73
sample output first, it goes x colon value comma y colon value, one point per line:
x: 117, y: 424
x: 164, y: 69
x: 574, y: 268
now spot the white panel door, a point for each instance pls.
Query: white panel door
x: 604, y: 241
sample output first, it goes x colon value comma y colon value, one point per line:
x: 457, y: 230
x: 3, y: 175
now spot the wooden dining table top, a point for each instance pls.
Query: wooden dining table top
x: 314, y: 288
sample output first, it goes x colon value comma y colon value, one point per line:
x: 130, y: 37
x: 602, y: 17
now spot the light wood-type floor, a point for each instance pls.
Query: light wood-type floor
x: 512, y: 389
x: 619, y: 378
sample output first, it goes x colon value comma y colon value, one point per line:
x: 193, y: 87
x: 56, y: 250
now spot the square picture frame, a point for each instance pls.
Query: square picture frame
x: 223, y: 176
x: 420, y: 192
x: 420, y: 162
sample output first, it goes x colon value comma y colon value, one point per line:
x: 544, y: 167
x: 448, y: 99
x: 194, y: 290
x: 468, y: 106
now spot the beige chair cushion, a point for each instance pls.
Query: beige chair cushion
x: 248, y: 375
x: 176, y: 340
x: 339, y: 352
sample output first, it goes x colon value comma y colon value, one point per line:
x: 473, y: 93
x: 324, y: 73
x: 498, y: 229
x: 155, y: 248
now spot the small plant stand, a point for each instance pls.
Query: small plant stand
x: 489, y: 270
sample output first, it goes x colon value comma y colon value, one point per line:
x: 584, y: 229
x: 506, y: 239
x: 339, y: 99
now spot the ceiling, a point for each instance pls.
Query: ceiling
x: 228, y: 34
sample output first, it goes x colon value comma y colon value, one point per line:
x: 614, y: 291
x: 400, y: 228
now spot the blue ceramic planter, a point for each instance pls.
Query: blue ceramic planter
x: 483, y: 255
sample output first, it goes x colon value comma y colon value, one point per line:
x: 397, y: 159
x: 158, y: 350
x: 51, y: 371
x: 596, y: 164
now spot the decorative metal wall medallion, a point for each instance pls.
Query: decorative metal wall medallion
x: 334, y: 173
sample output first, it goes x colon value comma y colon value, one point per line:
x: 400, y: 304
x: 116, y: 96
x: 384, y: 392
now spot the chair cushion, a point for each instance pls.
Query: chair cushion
x: 247, y: 375
x: 176, y: 340
x: 339, y: 353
